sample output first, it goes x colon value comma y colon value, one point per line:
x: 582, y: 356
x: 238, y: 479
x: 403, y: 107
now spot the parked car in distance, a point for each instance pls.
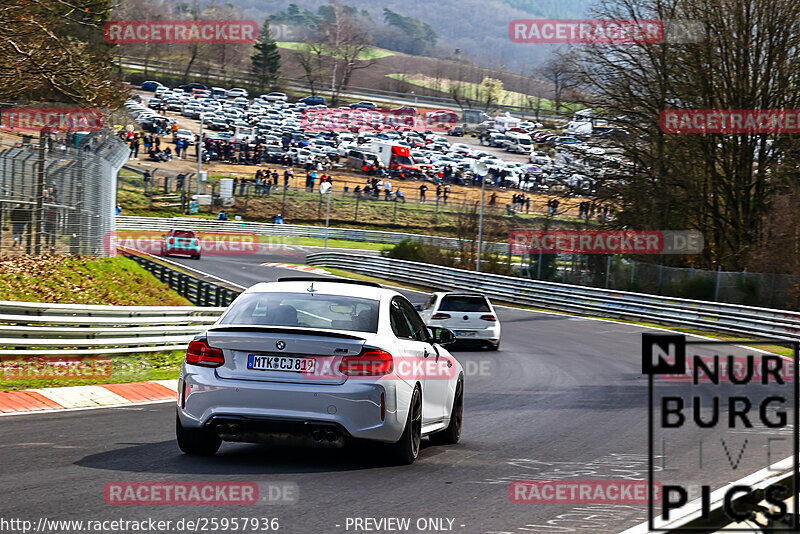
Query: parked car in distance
x: 151, y: 86
x: 236, y: 92
x: 456, y: 131
x: 189, y: 87
x: 313, y: 100
x: 186, y: 135
x: 364, y: 104
x: 275, y: 97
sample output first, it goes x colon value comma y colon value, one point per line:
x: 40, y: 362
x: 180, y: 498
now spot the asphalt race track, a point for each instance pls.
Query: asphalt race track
x: 563, y: 398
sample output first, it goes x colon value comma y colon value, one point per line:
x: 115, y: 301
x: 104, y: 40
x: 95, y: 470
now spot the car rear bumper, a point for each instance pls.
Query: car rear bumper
x: 491, y: 334
x: 182, y: 251
x: 266, y: 411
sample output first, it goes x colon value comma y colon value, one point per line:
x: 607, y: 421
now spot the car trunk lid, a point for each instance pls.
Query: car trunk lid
x: 249, y: 349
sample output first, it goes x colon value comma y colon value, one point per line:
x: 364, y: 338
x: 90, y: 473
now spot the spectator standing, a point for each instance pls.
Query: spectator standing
x: 135, y: 146
x: 422, y: 189
x: 446, y: 193
x: 20, y: 217
x: 400, y: 196
x: 387, y: 189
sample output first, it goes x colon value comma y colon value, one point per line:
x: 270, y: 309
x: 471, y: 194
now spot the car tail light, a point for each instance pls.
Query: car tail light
x: 170, y: 241
x: 199, y: 353
x: 441, y: 316
x: 489, y: 317
x: 371, y: 362
x: 195, y: 242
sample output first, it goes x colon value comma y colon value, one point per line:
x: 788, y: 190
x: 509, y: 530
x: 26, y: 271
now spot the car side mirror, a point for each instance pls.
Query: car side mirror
x: 442, y: 336
x: 418, y: 307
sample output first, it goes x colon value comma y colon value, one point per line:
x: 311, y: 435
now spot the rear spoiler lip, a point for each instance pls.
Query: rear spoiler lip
x: 284, y: 330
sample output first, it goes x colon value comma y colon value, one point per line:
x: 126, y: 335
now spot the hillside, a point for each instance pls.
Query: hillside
x: 479, y: 28
x: 426, y: 76
x: 83, y: 280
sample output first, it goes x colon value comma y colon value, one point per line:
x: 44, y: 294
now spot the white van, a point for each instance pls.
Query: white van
x: 518, y: 142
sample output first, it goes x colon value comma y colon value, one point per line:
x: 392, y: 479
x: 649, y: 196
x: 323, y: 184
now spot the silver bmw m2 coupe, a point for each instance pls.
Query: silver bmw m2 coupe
x: 320, y: 361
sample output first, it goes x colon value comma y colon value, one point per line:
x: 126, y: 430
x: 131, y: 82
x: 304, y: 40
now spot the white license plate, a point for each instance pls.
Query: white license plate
x: 465, y: 333
x: 280, y: 363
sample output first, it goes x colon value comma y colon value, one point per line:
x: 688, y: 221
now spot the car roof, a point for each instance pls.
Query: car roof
x: 460, y: 294
x: 325, y: 287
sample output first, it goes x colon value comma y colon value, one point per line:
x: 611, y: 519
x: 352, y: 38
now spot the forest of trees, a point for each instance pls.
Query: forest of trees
x: 739, y: 191
x: 400, y: 33
x: 479, y: 28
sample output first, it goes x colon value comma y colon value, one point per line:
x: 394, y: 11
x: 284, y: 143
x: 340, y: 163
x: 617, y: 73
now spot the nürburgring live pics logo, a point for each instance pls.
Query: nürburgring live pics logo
x: 697, y: 386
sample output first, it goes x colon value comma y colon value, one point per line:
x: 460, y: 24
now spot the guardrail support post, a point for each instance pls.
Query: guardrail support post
x: 539, y: 266
x: 716, y: 288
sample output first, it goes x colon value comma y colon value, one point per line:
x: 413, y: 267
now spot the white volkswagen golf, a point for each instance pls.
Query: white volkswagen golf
x: 470, y: 315
x: 319, y: 361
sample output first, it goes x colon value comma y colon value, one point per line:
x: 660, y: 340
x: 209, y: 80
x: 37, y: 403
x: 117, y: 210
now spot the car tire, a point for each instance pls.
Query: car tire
x: 494, y: 346
x: 406, y: 450
x: 196, y: 441
x: 196, y: 257
x: 451, y: 434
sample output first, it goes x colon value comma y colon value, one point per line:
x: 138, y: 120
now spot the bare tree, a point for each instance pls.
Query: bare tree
x: 557, y: 71
x: 348, y: 46
x: 746, y: 58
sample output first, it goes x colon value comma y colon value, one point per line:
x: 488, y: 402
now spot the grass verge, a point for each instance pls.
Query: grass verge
x: 83, y: 280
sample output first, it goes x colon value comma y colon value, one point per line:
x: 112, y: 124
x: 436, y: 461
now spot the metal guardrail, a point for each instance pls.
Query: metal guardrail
x: 36, y: 329
x: 44, y: 329
x: 198, y: 291
x: 163, y: 224
x: 729, y: 318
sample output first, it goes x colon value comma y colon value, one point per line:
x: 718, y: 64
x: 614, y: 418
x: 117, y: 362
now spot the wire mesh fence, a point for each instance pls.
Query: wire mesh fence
x: 768, y: 290
x: 57, y: 192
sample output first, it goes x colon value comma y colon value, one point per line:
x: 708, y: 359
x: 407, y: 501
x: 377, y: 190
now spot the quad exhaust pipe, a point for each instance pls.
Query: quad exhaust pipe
x: 328, y: 435
x: 227, y: 429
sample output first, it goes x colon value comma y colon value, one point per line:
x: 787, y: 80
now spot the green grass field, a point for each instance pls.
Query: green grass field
x: 371, y: 53
x: 472, y: 91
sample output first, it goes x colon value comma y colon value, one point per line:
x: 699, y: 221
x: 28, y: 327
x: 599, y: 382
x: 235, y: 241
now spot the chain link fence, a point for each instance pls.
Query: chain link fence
x: 766, y: 290
x: 58, y: 192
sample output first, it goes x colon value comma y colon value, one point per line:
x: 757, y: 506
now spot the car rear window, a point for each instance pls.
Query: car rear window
x: 464, y: 303
x: 184, y: 233
x: 327, y: 312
